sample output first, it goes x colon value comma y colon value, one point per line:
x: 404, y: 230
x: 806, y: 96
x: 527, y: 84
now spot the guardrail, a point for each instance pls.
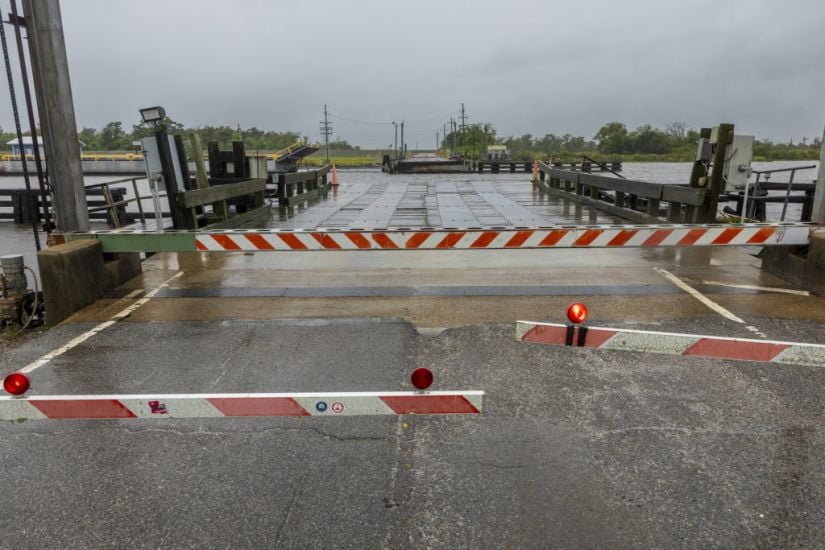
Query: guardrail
x: 190, y: 203
x: 755, y: 197
x: 114, y: 203
x: 638, y: 201
x: 297, y: 187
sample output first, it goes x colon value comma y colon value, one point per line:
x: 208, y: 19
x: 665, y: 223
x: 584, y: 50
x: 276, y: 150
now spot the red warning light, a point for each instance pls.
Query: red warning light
x: 577, y: 313
x: 421, y: 378
x: 16, y: 383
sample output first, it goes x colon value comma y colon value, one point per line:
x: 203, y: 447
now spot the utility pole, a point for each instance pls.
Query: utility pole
x: 444, y: 135
x: 53, y: 88
x: 452, y: 130
x: 436, y: 140
x: 326, y: 131
x: 818, y: 214
x: 395, y: 149
x: 403, y: 148
x: 463, y: 128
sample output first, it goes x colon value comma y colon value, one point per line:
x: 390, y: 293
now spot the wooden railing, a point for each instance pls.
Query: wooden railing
x: 639, y: 201
x: 298, y: 187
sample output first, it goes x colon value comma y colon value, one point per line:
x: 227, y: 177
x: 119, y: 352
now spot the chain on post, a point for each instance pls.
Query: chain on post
x: 34, y: 214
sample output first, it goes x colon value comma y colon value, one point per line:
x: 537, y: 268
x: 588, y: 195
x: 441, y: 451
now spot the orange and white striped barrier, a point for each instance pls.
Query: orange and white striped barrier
x: 742, y: 349
x: 44, y: 407
x: 470, y: 239
x: 473, y: 238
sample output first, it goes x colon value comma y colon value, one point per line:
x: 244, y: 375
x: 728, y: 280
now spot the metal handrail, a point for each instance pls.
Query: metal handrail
x: 756, y: 188
x: 603, y: 166
x: 777, y: 170
x: 111, y: 205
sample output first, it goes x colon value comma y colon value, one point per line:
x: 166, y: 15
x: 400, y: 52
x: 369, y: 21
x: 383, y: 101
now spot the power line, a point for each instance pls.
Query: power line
x: 360, y: 121
x: 382, y: 122
x: 445, y: 115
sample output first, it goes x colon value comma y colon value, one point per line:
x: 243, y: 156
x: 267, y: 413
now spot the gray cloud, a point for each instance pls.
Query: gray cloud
x: 526, y: 66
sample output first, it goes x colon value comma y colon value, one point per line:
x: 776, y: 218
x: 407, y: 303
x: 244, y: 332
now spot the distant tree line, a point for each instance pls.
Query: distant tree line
x: 115, y: 137
x: 676, y: 142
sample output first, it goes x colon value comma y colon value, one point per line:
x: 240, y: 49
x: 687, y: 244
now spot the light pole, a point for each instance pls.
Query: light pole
x: 396, y: 138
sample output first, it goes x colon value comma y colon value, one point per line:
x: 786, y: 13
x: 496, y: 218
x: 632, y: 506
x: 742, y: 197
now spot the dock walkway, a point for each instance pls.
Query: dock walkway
x: 447, y: 201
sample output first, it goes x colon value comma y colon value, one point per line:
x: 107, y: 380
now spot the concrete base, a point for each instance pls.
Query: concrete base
x: 806, y: 270
x: 76, y: 274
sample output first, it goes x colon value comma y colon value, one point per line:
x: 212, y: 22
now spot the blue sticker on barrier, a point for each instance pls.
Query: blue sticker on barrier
x: 321, y: 406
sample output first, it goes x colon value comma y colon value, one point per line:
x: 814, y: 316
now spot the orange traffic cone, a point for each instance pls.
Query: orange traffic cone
x: 334, y: 176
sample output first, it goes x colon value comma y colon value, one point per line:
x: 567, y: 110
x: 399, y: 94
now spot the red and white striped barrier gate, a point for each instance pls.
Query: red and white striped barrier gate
x: 743, y: 349
x: 563, y: 237
x: 42, y: 407
x: 607, y: 236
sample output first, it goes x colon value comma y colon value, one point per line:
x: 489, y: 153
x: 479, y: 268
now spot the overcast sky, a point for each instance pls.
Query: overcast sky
x: 525, y: 66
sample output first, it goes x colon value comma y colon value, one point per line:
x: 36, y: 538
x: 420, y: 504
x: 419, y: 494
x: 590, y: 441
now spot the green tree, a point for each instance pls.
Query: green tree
x: 143, y: 129
x: 90, y: 139
x: 113, y: 138
x: 613, y: 138
x: 5, y: 137
x: 677, y: 131
x: 649, y: 140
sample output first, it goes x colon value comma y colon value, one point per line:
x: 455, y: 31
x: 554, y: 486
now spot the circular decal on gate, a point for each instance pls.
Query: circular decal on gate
x: 337, y: 407
x: 321, y: 406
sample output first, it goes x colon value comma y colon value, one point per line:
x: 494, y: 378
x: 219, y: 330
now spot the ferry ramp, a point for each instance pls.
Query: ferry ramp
x: 461, y: 200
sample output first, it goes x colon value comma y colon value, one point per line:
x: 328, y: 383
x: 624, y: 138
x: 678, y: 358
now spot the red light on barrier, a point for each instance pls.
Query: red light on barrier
x: 577, y: 313
x: 16, y: 383
x: 421, y: 378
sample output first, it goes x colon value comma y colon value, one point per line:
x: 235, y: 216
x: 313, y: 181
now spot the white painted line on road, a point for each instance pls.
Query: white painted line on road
x: 134, y: 294
x: 727, y: 314
x: 74, y: 342
x: 762, y: 288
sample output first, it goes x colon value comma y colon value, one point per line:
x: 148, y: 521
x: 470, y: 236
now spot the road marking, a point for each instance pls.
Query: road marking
x: 762, y: 288
x: 216, y: 405
x: 122, y: 314
x: 672, y: 343
x: 727, y: 314
x: 134, y: 294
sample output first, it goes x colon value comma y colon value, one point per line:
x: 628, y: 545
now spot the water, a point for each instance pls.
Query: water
x: 18, y: 239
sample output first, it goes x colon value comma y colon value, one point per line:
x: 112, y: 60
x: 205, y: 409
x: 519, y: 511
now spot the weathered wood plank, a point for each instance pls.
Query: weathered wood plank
x: 631, y: 187
x: 684, y: 194
x: 200, y: 197
x: 240, y: 219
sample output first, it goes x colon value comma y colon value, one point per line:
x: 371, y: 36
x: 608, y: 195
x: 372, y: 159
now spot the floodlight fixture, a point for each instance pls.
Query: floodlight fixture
x: 153, y: 114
